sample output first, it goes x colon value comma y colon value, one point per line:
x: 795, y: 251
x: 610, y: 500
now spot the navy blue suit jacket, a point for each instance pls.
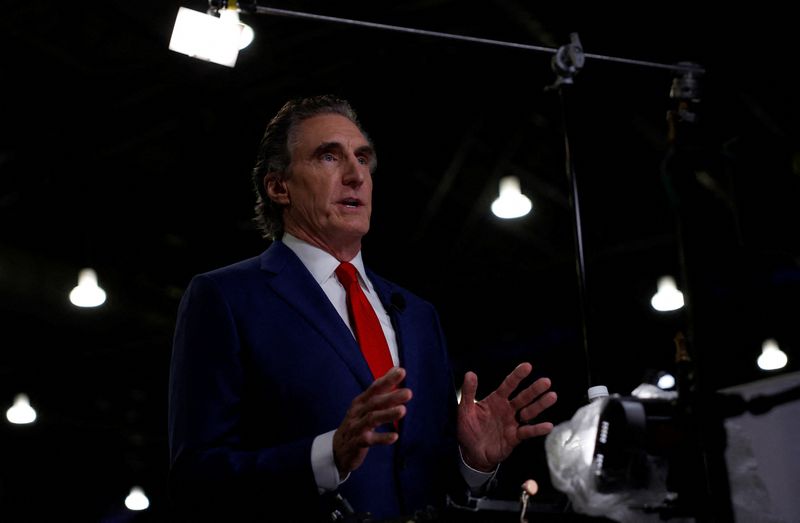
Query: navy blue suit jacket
x: 262, y: 363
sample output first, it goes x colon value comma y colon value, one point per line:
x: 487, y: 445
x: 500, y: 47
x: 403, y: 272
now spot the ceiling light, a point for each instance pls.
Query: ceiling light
x: 21, y: 412
x: 511, y: 203
x: 665, y: 381
x: 137, y: 500
x: 668, y: 297
x: 772, y: 357
x: 87, y: 293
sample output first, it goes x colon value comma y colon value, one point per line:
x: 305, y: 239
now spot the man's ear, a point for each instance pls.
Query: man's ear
x: 276, y: 189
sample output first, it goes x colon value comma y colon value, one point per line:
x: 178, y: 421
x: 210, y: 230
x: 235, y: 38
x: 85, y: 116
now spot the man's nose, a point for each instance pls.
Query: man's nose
x: 355, y: 171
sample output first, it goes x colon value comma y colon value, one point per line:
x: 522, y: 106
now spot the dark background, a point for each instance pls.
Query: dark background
x: 119, y: 154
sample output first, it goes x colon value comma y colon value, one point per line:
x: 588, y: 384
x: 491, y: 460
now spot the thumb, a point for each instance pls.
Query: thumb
x: 469, y: 388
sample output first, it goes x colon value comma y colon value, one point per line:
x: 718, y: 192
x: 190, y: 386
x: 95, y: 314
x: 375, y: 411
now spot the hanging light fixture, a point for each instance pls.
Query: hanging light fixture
x: 668, y: 297
x: 511, y: 203
x: 88, y: 293
x: 136, y: 499
x: 772, y: 357
x: 665, y: 381
x: 21, y: 412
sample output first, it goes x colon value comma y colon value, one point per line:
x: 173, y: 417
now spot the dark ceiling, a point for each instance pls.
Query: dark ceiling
x: 119, y: 154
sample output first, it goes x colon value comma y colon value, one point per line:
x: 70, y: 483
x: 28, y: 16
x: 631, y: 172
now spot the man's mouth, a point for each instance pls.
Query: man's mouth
x: 351, y: 203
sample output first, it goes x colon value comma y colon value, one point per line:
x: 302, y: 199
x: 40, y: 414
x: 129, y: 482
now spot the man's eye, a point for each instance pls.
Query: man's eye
x: 328, y: 157
x: 363, y: 160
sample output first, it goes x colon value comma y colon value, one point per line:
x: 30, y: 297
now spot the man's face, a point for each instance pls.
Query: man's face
x: 329, y: 190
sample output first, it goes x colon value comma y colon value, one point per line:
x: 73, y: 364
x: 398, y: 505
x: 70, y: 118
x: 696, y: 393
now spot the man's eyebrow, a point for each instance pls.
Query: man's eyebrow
x: 366, y: 150
x: 327, y: 147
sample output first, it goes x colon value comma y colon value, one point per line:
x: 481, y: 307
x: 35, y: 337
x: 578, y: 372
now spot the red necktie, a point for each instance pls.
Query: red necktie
x: 365, y: 323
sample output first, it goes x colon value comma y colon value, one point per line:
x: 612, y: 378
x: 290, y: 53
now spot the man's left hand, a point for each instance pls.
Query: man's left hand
x: 488, y: 430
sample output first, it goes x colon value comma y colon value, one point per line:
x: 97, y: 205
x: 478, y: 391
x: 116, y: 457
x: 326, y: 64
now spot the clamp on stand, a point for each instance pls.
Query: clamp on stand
x: 567, y: 62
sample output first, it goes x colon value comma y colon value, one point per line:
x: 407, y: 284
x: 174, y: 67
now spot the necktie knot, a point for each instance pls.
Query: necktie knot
x: 346, y: 273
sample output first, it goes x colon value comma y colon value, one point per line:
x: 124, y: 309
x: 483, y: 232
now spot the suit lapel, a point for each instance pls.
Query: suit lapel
x: 290, y: 279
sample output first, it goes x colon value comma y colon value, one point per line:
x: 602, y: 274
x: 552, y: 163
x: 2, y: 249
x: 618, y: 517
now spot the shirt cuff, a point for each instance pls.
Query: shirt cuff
x: 476, y: 479
x: 322, y: 463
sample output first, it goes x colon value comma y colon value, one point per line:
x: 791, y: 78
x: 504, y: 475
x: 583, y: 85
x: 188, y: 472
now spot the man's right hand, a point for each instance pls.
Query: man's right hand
x: 381, y: 403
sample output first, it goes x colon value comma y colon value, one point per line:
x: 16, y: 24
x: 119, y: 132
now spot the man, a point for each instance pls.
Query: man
x: 274, y: 409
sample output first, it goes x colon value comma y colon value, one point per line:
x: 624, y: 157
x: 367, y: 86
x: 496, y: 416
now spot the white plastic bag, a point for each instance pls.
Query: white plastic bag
x: 570, y: 449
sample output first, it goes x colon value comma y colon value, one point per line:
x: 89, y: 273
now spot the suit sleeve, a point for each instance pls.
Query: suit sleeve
x: 215, y: 473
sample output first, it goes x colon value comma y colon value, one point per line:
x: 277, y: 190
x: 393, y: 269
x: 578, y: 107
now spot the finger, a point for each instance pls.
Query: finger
x: 513, y: 380
x: 365, y: 404
x: 538, y: 388
x: 469, y: 388
x: 382, y: 385
x: 365, y: 439
x: 532, y: 431
x: 390, y: 399
x: 379, y: 417
x: 388, y: 381
x: 373, y: 438
x: 357, y: 430
x: 536, y: 408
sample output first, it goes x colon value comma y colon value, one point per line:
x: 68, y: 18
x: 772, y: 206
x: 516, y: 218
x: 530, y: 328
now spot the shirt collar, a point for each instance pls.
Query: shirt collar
x: 321, y: 264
